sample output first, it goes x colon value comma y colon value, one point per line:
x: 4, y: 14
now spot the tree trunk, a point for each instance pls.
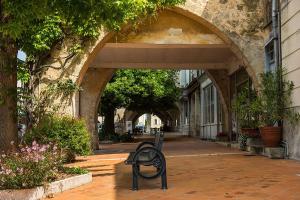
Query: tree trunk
x: 109, y: 122
x: 8, y: 94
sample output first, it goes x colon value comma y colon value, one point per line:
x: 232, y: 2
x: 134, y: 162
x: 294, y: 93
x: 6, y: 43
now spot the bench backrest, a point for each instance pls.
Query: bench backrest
x: 159, y: 139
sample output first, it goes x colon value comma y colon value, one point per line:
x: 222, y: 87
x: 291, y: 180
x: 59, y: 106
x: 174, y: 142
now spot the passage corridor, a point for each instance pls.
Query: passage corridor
x: 196, y: 170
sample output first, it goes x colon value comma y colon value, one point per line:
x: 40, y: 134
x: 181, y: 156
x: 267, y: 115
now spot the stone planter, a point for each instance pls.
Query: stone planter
x: 48, y: 190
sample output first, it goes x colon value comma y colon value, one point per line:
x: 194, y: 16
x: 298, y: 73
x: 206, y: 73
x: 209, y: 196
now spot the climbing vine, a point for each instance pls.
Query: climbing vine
x: 39, y: 27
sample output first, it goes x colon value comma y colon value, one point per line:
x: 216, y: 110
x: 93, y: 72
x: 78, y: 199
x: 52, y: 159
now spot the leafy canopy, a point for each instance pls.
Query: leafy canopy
x: 141, y: 90
x: 37, y: 24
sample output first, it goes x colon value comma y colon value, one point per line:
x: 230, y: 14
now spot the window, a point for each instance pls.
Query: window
x: 155, y: 121
x: 270, y: 56
x: 209, y: 104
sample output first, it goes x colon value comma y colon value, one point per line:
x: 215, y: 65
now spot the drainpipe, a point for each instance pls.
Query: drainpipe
x: 279, y: 34
x: 275, y: 31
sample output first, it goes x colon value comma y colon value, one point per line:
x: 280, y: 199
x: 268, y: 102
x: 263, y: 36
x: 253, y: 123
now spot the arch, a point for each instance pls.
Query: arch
x: 201, y: 12
x: 226, y: 36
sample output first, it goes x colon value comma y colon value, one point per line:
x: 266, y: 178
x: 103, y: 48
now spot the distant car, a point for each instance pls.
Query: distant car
x: 139, y: 129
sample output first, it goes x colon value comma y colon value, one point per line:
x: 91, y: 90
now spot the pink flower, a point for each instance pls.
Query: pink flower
x: 8, y: 171
x: 34, y: 143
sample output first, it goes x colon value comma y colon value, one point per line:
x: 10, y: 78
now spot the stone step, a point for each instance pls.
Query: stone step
x: 274, y: 152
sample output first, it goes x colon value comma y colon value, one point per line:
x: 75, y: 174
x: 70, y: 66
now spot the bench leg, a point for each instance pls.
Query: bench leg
x: 164, y: 184
x: 139, y: 168
x: 134, y: 179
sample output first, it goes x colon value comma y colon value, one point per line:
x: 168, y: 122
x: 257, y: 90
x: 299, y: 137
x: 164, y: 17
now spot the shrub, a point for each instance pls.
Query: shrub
x: 247, y: 108
x: 69, y: 133
x: 126, y: 138
x: 275, y: 99
x: 115, y: 137
x: 31, y: 166
x: 74, y: 170
x: 111, y: 136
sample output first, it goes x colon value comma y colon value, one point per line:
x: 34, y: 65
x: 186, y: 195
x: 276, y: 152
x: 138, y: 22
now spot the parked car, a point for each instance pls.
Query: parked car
x: 139, y: 129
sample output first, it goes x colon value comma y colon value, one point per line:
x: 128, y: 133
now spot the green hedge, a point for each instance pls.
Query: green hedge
x: 68, y: 133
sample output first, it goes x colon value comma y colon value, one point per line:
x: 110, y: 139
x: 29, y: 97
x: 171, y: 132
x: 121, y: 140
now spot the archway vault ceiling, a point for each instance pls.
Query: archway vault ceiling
x: 169, y: 40
x: 163, y: 56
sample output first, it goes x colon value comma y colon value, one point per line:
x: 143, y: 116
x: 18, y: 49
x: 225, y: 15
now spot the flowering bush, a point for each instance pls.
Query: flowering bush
x: 68, y: 133
x: 29, y: 167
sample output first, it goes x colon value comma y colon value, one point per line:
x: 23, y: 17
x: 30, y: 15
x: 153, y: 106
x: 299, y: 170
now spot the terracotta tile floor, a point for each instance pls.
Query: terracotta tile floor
x: 196, y: 170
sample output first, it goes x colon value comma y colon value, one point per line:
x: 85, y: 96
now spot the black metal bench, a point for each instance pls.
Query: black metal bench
x: 148, y: 154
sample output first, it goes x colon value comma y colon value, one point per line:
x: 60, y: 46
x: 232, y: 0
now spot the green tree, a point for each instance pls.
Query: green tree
x: 138, y: 90
x: 36, y: 26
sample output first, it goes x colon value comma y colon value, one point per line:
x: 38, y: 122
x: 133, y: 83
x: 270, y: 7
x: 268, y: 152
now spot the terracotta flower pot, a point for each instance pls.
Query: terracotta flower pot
x: 271, y: 136
x: 250, y: 132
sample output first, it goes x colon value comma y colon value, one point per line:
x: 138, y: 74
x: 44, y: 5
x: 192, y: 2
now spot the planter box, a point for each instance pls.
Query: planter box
x: 48, y: 190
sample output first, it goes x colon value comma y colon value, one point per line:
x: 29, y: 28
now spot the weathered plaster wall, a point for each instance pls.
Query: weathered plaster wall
x: 169, y: 28
x: 236, y: 22
x: 291, y: 53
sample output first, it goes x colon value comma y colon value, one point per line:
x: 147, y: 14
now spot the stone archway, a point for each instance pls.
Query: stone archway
x: 215, y: 29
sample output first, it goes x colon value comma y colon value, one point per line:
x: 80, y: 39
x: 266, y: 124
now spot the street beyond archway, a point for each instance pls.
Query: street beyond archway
x: 196, y: 170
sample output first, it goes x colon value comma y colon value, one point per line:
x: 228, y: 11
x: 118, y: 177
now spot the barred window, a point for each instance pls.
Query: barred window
x: 270, y: 56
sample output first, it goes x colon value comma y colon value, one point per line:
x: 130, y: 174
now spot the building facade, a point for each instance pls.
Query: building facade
x: 290, y: 48
x: 282, y: 49
x: 201, y: 110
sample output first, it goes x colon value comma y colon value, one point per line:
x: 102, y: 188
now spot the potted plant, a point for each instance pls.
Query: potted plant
x: 247, y: 109
x: 275, y: 98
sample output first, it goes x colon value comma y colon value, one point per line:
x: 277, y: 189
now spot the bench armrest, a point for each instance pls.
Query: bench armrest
x: 143, y: 144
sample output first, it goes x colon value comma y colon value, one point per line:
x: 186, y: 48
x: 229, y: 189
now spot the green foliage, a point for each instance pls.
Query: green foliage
x: 63, y: 88
x: 247, y: 108
x: 126, y: 138
x: 23, y: 73
x: 41, y: 36
x: 44, y: 104
x: 69, y: 133
x: 143, y: 90
x: 275, y: 99
x: 243, y: 142
x: 38, y: 24
x: 111, y: 136
x: 114, y: 137
x: 74, y: 170
x: 139, y: 90
x: 32, y: 166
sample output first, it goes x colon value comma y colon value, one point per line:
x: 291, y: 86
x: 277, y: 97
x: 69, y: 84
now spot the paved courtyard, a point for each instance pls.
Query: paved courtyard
x: 196, y: 169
